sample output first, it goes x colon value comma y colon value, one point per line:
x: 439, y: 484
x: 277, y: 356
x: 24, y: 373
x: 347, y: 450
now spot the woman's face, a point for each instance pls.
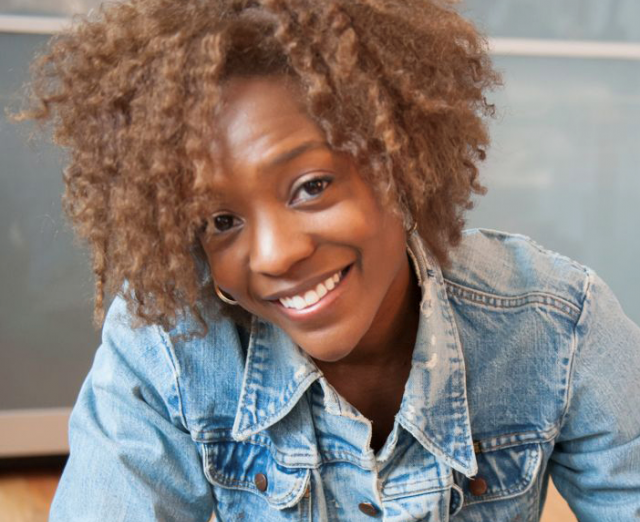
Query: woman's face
x: 298, y: 237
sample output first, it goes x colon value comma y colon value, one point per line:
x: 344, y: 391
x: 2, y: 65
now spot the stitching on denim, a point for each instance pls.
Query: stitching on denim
x: 534, y: 500
x: 574, y: 346
x: 274, y: 452
x: 245, y: 378
x: 217, y: 478
x: 455, y: 348
x: 418, y: 436
x: 502, y: 302
x: 438, y: 475
x: 206, y: 464
x: 457, y: 508
x: 169, y: 352
x: 436, y: 480
x: 409, y: 494
x: 341, y: 454
x: 267, y: 421
x: 522, y: 486
x: 526, y: 239
x: 349, y: 459
x: 249, y: 385
x: 486, y: 445
x: 248, y: 486
x: 427, y: 488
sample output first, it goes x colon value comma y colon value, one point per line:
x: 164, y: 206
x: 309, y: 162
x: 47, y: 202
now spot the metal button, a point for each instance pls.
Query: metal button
x: 368, y: 509
x: 261, y: 482
x: 478, y: 486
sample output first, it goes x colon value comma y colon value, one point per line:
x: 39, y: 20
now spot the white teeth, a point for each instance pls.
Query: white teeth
x: 321, y: 290
x: 311, y: 297
x: 298, y: 302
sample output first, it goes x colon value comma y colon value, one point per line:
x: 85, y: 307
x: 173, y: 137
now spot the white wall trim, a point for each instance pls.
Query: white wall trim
x: 498, y: 46
x: 565, y: 48
x: 32, y: 24
x: 34, y: 432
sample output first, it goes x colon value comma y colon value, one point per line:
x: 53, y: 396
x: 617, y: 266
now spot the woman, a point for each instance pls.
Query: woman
x: 275, y: 191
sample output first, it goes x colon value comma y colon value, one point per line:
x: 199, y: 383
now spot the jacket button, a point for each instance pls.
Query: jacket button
x: 478, y: 486
x: 368, y: 509
x: 261, y: 482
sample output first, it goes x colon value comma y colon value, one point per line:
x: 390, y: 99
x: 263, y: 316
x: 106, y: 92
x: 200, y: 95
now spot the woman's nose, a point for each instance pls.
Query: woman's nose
x: 278, y: 243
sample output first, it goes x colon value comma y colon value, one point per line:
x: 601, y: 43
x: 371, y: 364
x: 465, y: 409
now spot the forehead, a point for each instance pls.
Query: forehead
x: 261, y: 119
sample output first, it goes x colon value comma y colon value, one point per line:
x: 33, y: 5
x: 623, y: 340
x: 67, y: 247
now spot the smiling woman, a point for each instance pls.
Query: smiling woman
x: 291, y: 214
x: 275, y: 191
x: 156, y: 72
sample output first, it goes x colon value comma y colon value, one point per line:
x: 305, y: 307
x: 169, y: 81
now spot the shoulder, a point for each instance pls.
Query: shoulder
x: 189, y: 373
x: 499, y: 269
x: 135, y: 341
x: 516, y: 307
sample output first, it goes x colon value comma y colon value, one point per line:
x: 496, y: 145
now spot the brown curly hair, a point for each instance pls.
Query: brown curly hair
x: 132, y: 92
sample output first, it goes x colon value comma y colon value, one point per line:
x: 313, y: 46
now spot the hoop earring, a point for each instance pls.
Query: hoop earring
x: 223, y: 297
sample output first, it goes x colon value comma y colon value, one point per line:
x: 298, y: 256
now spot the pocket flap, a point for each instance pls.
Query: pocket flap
x: 502, y: 473
x: 251, y: 467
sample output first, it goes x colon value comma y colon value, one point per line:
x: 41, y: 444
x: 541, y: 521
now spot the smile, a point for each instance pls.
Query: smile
x: 311, y: 301
x: 311, y: 297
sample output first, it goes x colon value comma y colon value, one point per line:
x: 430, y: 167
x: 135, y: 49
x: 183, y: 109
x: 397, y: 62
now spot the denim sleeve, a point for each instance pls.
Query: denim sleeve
x: 596, y: 461
x: 131, y: 457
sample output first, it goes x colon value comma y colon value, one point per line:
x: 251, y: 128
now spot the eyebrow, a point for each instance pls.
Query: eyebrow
x: 295, y: 152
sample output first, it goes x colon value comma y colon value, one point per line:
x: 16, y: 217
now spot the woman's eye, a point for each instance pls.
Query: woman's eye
x: 312, y: 188
x: 223, y: 222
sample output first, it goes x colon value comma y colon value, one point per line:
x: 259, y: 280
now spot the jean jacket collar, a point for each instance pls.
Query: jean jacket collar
x: 434, y: 406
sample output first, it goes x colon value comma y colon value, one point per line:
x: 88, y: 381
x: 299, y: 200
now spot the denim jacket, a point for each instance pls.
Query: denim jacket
x: 524, y: 367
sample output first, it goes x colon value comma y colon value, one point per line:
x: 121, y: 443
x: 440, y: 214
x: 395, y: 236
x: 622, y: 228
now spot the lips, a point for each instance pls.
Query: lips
x: 315, y: 299
x: 311, y: 297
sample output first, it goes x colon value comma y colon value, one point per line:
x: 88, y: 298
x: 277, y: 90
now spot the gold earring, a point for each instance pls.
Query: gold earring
x: 223, y: 297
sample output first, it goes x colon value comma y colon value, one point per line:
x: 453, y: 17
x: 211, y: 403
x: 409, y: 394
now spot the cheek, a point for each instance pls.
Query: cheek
x: 372, y: 227
x: 350, y: 224
x: 358, y: 218
x: 224, y: 270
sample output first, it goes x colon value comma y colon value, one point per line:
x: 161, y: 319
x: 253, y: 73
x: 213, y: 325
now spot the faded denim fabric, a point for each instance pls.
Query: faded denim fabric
x: 524, y: 366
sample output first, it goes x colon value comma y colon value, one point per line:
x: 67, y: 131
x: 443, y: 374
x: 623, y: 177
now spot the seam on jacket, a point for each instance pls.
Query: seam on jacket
x: 506, y: 302
x: 220, y: 479
x: 525, y: 483
x: 418, y: 492
x: 244, y: 387
x: 574, y: 347
x: 267, y: 421
x: 172, y: 359
x: 501, y: 235
x: 520, y: 438
x: 280, y: 457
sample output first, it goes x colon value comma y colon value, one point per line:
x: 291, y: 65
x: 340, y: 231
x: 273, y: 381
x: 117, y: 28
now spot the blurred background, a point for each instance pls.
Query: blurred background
x: 563, y: 170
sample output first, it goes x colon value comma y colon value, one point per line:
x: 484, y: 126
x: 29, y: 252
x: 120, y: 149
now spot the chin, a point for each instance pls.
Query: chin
x: 327, y: 357
x: 326, y: 347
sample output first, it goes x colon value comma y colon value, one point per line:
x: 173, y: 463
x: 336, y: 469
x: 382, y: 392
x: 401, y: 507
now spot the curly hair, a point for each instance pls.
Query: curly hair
x: 132, y: 91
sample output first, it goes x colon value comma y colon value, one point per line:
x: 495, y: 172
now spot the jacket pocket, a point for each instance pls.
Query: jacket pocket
x: 503, y: 473
x: 250, y: 484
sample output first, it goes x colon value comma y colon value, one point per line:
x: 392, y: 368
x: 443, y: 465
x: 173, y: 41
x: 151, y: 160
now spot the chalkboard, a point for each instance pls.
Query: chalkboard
x: 46, y: 338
